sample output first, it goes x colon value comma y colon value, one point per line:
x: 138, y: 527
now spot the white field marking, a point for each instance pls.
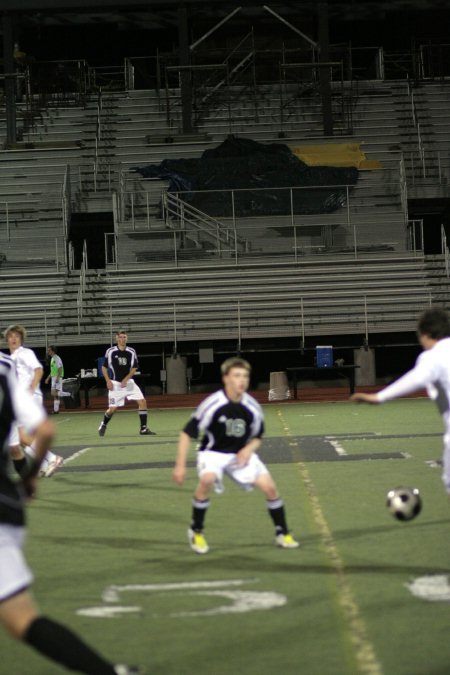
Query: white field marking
x: 112, y: 593
x: 107, y: 612
x: 433, y: 588
x: 67, y: 419
x: 308, y: 415
x: 242, y: 601
x: 364, y: 652
x: 336, y: 445
x: 75, y: 455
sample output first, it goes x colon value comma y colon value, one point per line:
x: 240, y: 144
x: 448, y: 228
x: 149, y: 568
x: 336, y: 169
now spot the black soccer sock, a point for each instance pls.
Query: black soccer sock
x: 143, y: 418
x: 61, y: 645
x: 20, y: 465
x: 199, y: 509
x: 276, y: 512
x: 106, y: 419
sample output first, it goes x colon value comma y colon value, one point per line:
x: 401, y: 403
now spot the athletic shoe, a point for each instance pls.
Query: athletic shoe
x: 121, y: 669
x: 286, y: 541
x: 102, y: 429
x: 53, y: 465
x: 197, y: 541
x: 147, y: 432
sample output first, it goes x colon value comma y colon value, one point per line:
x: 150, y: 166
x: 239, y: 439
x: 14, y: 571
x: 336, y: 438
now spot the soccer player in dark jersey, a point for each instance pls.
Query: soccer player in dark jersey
x: 121, y: 363
x: 18, y: 612
x: 232, y: 425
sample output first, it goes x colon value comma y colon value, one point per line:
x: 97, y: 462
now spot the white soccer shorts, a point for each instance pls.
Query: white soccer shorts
x: 118, y: 395
x: 220, y: 463
x: 57, y: 386
x: 15, y: 575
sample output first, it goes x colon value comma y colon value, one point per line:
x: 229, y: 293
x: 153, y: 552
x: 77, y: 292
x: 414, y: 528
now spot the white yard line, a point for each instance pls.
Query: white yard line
x: 76, y: 454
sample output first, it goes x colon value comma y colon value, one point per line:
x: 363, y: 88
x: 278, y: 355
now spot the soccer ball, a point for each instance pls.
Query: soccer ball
x: 404, y: 503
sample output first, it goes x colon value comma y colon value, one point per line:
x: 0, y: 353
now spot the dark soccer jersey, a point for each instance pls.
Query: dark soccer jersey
x: 227, y: 426
x: 121, y: 361
x: 11, y: 493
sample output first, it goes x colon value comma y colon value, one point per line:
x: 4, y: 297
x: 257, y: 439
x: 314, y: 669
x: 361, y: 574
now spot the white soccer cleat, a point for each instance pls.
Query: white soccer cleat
x: 286, y: 541
x: 53, y: 466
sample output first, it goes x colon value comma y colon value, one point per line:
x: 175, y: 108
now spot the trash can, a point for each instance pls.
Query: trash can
x: 279, y: 387
x: 71, y: 386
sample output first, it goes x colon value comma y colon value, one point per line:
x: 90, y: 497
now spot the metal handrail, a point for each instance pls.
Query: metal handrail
x: 445, y: 251
x: 82, y: 286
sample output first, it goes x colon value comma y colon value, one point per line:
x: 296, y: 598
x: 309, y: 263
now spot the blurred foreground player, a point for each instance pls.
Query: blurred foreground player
x: 232, y: 423
x: 29, y: 374
x: 431, y: 372
x: 18, y: 613
x: 121, y: 361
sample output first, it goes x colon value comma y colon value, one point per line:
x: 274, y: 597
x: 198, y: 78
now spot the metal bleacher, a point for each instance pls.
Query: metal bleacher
x: 324, y: 274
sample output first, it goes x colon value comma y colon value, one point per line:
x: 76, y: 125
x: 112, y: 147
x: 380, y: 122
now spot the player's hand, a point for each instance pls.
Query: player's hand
x: 47, y: 380
x: 243, y: 457
x: 30, y: 485
x: 124, y: 383
x: 110, y: 385
x: 179, y: 474
x: 364, y: 398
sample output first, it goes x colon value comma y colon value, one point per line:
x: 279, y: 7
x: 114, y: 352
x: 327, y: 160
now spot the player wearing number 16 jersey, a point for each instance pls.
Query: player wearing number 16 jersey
x: 232, y: 425
x: 120, y: 365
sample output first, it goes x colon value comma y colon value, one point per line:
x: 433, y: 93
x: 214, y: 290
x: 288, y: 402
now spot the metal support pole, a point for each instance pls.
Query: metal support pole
x: 195, y: 44
x: 111, y: 324
x: 175, y: 351
x: 185, y: 74
x: 303, y: 322
x: 10, y: 80
x: 324, y: 71
x: 45, y: 329
x: 239, y: 326
x: 366, y: 320
x: 293, y: 224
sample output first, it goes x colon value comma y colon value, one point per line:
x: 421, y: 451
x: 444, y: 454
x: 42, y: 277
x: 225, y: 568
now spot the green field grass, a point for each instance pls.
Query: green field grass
x: 111, y: 518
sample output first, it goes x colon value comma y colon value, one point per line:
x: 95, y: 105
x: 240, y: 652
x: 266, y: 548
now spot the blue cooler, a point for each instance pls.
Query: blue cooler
x: 100, y: 362
x: 324, y: 356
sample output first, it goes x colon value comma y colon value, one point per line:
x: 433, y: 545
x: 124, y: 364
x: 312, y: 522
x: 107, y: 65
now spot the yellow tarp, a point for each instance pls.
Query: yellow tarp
x: 335, y: 154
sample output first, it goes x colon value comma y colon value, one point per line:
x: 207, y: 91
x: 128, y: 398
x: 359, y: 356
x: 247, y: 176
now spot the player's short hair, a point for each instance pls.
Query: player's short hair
x: 235, y: 362
x: 15, y: 328
x: 53, y: 348
x: 121, y: 331
x: 434, y: 322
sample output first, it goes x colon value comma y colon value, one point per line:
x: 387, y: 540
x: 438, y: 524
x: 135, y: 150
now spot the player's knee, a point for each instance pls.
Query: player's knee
x: 207, y: 480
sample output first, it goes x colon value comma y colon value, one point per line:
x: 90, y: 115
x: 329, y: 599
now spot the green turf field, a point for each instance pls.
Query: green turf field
x: 107, y: 536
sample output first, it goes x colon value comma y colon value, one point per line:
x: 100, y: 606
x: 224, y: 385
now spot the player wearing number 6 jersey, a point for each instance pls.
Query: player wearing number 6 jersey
x: 232, y: 425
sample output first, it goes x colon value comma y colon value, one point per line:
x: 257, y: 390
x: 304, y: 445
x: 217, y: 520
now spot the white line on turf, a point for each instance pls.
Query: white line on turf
x: 364, y: 651
x: 75, y: 455
x: 336, y: 445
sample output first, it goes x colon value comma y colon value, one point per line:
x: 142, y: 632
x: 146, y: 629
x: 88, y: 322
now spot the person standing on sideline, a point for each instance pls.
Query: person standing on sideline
x: 18, y: 612
x: 122, y: 362
x: 232, y: 423
x: 56, y: 376
x: 431, y: 372
x: 29, y: 374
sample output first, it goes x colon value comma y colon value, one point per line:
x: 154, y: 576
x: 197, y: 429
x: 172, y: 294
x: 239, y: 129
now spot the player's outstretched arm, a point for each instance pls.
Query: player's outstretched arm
x: 360, y: 397
x: 179, y: 471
